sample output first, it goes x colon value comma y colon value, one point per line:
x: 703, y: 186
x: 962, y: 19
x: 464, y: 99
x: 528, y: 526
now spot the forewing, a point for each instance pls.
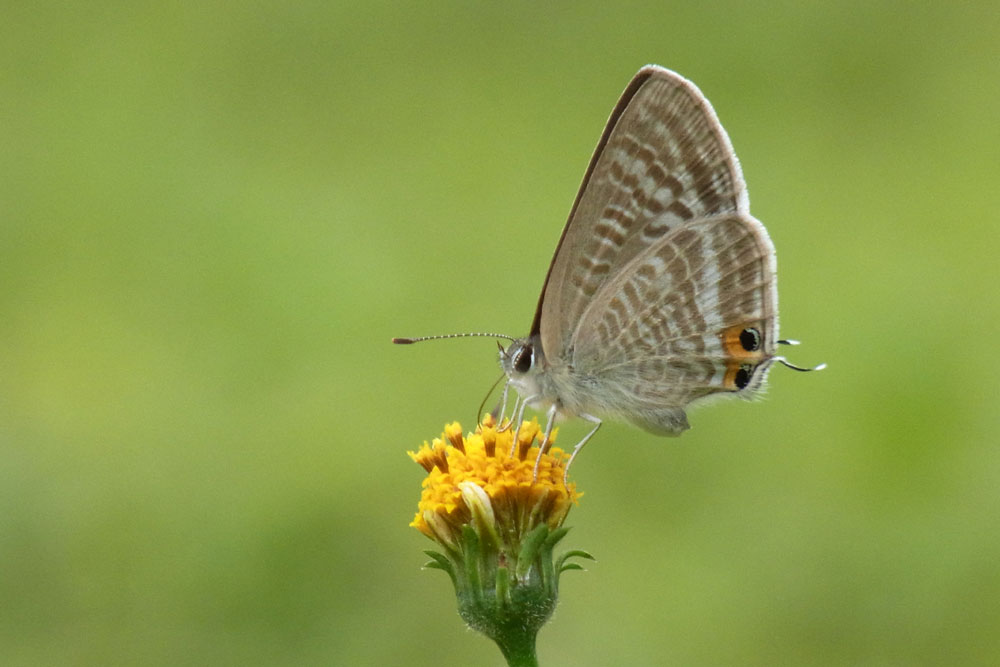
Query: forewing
x: 663, y: 161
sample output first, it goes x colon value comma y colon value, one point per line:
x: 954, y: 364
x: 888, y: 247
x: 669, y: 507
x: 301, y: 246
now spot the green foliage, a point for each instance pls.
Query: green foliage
x: 213, y: 218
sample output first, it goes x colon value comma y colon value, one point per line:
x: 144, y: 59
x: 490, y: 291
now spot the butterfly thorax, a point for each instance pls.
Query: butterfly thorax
x: 543, y: 383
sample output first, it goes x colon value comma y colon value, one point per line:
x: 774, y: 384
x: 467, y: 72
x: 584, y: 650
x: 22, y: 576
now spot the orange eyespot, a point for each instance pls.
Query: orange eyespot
x: 737, y: 375
x: 743, y: 342
x: 743, y: 346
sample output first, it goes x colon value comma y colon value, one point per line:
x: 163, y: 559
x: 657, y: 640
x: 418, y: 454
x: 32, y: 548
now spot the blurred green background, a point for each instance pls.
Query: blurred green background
x: 213, y: 217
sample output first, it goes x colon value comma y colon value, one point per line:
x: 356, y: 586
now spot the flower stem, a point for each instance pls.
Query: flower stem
x: 518, y: 646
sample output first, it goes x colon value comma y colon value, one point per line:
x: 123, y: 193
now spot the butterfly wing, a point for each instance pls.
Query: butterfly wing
x: 693, y: 315
x: 662, y: 290
x: 663, y: 161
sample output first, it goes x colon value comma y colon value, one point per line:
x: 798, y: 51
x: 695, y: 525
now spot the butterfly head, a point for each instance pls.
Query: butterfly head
x: 522, y: 361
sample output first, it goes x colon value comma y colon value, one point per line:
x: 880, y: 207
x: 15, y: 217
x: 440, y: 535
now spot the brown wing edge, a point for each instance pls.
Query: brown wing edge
x: 633, y: 87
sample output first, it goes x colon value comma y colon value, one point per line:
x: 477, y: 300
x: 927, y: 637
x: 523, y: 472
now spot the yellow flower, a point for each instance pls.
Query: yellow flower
x: 498, y: 510
x: 511, y: 497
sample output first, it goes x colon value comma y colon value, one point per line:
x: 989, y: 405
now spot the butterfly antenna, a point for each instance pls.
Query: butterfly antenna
x: 410, y: 341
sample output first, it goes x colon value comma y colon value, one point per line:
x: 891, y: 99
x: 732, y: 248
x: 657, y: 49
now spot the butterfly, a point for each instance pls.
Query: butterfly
x: 662, y: 291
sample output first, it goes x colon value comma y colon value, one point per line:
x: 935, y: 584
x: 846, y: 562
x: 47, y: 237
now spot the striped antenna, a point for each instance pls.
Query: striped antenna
x: 410, y: 341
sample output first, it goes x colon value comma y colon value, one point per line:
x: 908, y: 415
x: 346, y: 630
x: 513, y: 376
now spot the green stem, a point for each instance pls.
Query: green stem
x: 518, y: 646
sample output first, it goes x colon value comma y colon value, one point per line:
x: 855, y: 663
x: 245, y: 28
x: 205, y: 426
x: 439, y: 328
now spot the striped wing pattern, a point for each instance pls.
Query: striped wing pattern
x: 659, y: 263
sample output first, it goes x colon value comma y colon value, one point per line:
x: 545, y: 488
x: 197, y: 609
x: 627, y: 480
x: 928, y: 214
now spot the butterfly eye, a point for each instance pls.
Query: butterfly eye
x: 742, y: 378
x: 523, y: 359
x: 750, y: 340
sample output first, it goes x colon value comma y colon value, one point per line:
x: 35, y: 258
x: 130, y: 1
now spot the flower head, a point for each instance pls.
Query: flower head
x: 497, y: 507
x: 520, y: 500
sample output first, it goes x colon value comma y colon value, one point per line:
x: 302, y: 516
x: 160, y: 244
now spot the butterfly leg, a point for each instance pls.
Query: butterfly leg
x: 519, y: 411
x: 501, y: 426
x: 503, y: 405
x: 551, y: 417
x: 576, y: 450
